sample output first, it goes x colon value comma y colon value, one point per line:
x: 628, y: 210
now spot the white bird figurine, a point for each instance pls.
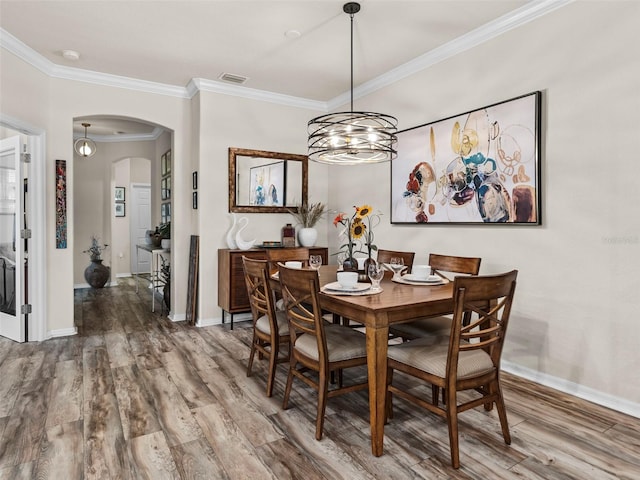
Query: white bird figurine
x: 231, y: 241
x: 243, y: 245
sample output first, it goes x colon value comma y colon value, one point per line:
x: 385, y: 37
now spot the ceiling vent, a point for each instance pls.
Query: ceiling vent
x: 231, y: 78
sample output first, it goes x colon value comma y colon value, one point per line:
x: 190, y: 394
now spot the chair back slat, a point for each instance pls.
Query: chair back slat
x: 385, y: 256
x: 447, y: 263
x: 275, y: 255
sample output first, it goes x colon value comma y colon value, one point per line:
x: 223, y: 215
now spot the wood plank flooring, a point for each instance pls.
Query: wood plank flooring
x: 135, y: 396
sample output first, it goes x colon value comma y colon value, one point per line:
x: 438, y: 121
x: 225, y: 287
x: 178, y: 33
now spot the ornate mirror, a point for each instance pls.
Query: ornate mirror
x: 266, y: 182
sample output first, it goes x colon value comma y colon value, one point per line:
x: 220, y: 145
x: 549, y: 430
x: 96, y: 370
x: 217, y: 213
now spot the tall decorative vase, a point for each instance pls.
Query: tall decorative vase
x: 307, y: 236
x: 230, y: 238
x: 243, y: 244
x: 96, y: 274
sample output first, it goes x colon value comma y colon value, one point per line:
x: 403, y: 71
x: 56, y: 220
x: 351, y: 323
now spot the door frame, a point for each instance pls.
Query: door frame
x: 36, y: 213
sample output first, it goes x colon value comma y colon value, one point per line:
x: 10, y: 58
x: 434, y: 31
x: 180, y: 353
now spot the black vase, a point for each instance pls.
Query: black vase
x: 350, y: 265
x: 96, y: 274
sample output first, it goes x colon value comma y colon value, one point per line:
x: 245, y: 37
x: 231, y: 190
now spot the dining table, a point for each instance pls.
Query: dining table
x: 396, y: 303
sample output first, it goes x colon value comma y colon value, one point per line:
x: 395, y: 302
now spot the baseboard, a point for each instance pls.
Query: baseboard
x: 123, y: 275
x: 78, y: 286
x: 237, y: 317
x: 63, y: 332
x: 177, y: 317
x: 615, y: 403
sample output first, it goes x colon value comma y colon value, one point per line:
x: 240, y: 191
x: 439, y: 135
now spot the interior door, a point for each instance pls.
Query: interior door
x: 12, y: 248
x: 140, y: 223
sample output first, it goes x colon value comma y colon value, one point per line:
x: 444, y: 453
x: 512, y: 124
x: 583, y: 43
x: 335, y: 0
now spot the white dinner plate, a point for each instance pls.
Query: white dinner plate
x: 431, y: 279
x: 336, y: 287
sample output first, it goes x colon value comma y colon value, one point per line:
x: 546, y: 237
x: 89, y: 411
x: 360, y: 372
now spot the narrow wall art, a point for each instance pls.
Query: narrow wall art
x: 480, y: 167
x: 61, y: 204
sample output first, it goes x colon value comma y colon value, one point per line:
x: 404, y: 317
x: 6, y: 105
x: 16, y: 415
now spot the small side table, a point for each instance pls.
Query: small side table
x: 156, y: 253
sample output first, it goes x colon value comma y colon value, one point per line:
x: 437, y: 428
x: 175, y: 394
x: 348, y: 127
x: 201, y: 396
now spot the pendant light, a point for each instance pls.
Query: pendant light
x: 85, y: 147
x: 352, y: 138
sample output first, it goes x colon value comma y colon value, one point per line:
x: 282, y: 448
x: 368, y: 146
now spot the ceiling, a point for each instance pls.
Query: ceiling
x: 173, y: 42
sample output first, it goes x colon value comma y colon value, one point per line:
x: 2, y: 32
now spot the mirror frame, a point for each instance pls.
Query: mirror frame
x: 243, y: 152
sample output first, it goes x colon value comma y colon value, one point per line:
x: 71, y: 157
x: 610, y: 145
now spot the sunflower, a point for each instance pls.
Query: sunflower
x: 364, y: 210
x: 358, y: 228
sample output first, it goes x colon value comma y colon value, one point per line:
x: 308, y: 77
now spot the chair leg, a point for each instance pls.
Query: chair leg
x: 251, y: 355
x: 502, y: 415
x: 273, y: 363
x: 452, y: 423
x: 435, y: 394
x: 323, y: 388
x: 388, y: 400
x: 287, y: 389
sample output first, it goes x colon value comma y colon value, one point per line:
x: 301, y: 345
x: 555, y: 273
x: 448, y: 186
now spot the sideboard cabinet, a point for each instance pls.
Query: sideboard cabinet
x: 232, y: 291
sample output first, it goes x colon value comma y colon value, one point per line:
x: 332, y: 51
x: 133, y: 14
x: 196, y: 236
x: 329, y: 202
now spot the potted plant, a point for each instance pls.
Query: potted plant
x: 164, y: 230
x: 307, y: 215
x: 96, y: 274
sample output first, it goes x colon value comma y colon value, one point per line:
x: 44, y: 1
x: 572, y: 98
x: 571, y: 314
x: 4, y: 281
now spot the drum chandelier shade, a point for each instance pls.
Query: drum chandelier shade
x: 352, y: 138
x: 85, y: 147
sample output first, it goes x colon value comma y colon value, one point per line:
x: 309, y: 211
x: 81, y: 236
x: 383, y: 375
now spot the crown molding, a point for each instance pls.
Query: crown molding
x: 205, y: 85
x: 525, y: 14
x: 528, y: 12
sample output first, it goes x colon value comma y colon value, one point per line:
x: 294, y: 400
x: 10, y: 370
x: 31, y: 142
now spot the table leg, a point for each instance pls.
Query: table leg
x: 377, y: 339
x: 154, y: 261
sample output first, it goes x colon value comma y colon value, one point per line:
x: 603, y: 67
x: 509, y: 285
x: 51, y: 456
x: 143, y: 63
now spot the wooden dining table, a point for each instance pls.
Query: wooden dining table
x: 397, y: 303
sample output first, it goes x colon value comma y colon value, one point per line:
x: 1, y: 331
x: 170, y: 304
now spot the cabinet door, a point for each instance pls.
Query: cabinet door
x: 238, y: 290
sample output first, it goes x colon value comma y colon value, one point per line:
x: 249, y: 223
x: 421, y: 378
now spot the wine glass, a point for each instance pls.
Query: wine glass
x: 376, y: 273
x: 342, y: 256
x: 315, y: 261
x: 397, y: 265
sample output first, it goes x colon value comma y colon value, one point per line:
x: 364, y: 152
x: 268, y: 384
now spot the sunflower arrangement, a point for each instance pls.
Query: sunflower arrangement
x: 357, y: 228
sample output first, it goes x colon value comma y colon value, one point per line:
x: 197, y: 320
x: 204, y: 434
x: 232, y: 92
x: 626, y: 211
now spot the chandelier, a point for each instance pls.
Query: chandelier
x: 84, y: 146
x: 352, y: 138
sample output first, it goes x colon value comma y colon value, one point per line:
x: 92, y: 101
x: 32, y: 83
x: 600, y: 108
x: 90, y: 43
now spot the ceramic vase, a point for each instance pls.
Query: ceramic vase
x: 243, y: 244
x: 307, y: 236
x: 230, y: 238
x: 97, y: 274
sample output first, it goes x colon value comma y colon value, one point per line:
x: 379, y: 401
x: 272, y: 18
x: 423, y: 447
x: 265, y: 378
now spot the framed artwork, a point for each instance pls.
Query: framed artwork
x: 165, y: 188
x: 268, y: 184
x: 119, y: 194
x: 194, y: 180
x: 165, y: 212
x: 195, y: 201
x: 163, y: 164
x: 480, y: 167
x: 61, y: 204
x: 120, y: 209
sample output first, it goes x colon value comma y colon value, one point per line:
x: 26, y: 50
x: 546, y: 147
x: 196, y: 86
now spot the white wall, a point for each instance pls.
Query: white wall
x: 568, y: 324
x: 225, y: 122
x: 577, y: 302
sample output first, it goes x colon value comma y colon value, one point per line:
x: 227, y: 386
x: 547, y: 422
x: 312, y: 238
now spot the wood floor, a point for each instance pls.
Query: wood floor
x: 135, y: 396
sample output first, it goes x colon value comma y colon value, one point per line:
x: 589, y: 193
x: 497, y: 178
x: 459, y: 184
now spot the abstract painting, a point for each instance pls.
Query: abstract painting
x: 479, y: 167
x: 268, y: 184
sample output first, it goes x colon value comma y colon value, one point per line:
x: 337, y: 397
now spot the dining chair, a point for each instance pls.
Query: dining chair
x: 468, y: 359
x: 444, y: 266
x: 315, y: 344
x: 270, y: 326
x: 385, y: 256
x: 275, y: 255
